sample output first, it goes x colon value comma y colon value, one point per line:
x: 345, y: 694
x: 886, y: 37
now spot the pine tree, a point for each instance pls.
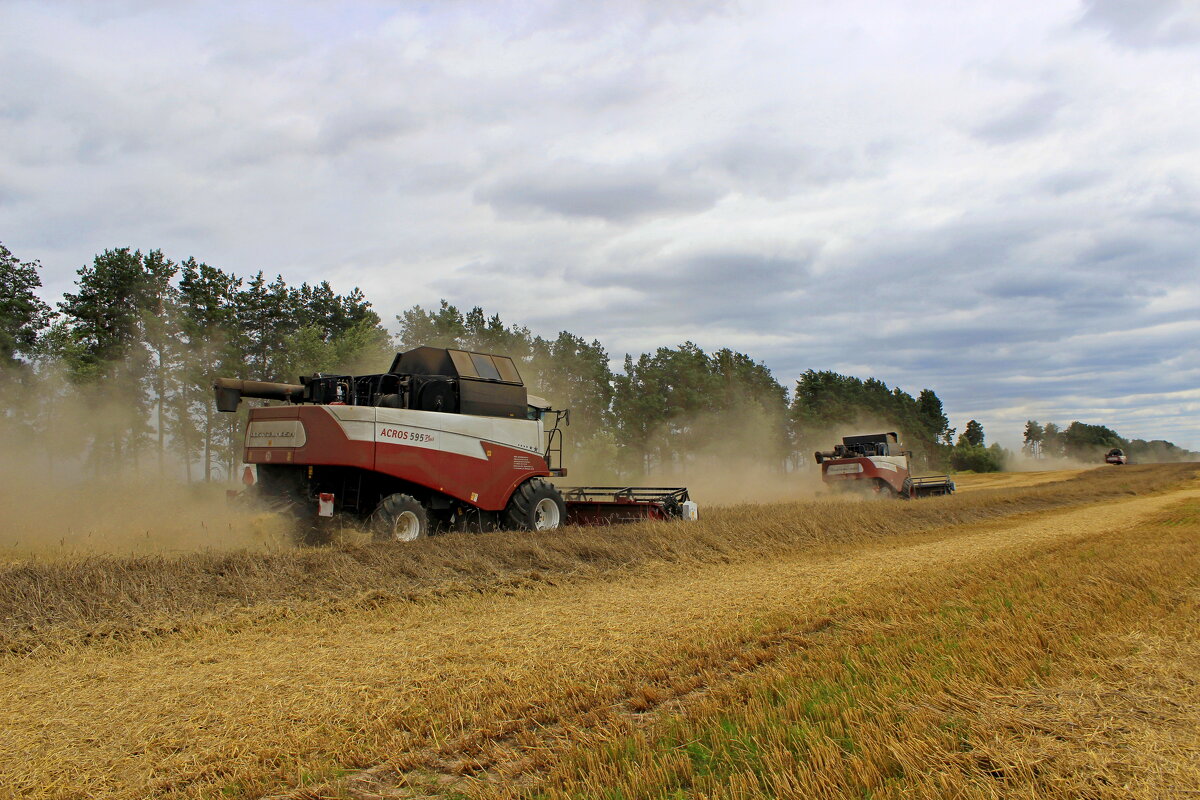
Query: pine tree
x: 1052, y: 444
x: 442, y: 328
x: 933, y: 415
x: 24, y: 319
x: 159, y: 326
x: 23, y: 315
x: 267, y: 315
x: 103, y: 346
x: 972, y: 435
x: 208, y: 318
x: 1034, y: 434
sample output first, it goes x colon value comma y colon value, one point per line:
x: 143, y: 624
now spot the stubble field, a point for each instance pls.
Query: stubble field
x: 1033, y: 636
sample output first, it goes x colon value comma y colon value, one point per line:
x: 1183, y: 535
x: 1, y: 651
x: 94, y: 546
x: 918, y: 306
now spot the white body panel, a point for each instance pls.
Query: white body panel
x: 462, y: 434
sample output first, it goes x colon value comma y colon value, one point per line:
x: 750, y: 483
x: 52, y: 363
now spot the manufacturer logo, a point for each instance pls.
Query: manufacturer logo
x: 388, y: 433
x: 275, y: 433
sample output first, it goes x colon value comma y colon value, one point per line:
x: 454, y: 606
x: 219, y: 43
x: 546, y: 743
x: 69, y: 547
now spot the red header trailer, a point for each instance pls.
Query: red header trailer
x: 607, y: 505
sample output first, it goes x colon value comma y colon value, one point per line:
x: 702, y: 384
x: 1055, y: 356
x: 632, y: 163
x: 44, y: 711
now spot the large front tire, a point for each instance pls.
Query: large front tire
x: 399, y: 518
x: 536, y: 506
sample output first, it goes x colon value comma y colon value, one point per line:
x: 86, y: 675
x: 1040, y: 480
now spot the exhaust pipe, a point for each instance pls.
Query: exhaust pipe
x: 230, y: 391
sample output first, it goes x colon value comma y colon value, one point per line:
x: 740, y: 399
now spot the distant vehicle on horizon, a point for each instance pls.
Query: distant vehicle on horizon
x: 1115, y: 456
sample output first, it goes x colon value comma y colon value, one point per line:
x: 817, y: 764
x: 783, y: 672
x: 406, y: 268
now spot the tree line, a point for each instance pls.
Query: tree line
x: 120, y: 371
x: 1085, y: 442
x: 678, y: 404
x: 130, y: 355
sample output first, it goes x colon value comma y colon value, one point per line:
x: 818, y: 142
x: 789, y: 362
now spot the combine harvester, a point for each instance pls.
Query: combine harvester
x: 879, y: 464
x: 445, y: 440
x: 1116, y: 456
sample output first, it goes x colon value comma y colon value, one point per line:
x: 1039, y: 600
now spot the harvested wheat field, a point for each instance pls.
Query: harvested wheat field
x: 1012, y: 480
x: 1027, y: 641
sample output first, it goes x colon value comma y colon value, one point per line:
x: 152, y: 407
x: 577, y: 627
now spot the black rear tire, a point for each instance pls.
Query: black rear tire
x: 399, y: 518
x: 283, y: 489
x: 535, y: 506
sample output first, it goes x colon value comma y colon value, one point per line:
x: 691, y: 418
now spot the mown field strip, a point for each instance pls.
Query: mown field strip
x: 1012, y: 480
x: 250, y: 711
x: 1075, y: 675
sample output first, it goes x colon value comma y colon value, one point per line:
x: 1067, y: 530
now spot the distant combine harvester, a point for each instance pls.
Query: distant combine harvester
x: 879, y: 464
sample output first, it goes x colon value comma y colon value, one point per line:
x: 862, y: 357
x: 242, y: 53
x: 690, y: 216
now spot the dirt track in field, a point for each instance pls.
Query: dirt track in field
x: 250, y: 711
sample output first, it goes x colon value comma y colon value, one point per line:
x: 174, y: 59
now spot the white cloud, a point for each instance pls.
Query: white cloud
x: 999, y: 202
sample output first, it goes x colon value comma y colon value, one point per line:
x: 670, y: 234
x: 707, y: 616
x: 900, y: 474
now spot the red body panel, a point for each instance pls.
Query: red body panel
x: 868, y: 472
x: 486, y: 482
x: 326, y: 442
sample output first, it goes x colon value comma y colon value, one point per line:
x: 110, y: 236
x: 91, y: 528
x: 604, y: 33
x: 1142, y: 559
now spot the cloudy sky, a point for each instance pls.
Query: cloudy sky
x: 998, y: 200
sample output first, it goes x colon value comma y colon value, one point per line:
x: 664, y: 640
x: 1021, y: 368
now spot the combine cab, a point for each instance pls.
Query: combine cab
x: 879, y: 464
x: 1115, y: 456
x: 445, y: 440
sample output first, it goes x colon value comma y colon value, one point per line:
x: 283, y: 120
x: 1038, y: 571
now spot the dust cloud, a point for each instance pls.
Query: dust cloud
x: 748, y: 463
x: 1019, y: 462
x: 730, y: 480
x: 58, y: 499
x: 57, y: 502
x: 722, y: 459
x: 133, y: 514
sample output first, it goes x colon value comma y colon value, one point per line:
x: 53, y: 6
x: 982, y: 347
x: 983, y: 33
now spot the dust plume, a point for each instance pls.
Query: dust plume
x: 1019, y: 462
x: 741, y: 456
x: 123, y: 515
x: 752, y: 461
x: 68, y: 488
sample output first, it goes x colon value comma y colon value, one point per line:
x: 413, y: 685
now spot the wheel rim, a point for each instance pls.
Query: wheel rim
x: 407, y: 527
x: 545, y: 514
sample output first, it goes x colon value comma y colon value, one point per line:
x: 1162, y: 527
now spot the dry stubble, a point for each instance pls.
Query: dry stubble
x: 450, y: 686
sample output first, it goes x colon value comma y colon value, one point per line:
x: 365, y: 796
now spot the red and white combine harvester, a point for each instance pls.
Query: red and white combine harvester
x: 1115, y: 456
x: 445, y: 440
x: 879, y: 464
